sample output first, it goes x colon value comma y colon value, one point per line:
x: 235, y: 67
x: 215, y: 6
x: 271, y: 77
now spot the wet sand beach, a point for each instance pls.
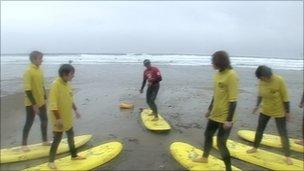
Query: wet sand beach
x: 184, y: 96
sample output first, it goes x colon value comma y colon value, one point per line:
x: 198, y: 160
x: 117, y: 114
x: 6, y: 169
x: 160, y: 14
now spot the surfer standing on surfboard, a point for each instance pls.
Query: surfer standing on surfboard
x: 273, y: 95
x: 35, y: 97
x: 152, y: 74
x: 222, y: 107
x: 61, y: 104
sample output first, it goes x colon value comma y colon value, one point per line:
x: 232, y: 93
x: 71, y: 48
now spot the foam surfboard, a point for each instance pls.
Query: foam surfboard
x: 160, y: 125
x: 184, y: 153
x: 15, y: 154
x: 95, y: 157
x: 125, y: 105
x: 261, y: 158
x: 270, y: 140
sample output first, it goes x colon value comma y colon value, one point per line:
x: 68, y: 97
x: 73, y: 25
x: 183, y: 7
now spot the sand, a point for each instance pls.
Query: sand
x: 184, y: 96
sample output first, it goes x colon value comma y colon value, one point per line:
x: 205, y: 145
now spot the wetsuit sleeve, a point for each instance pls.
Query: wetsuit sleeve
x: 74, y: 107
x: 211, y: 105
x: 231, y: 111
x: 144, y: 81
x: 259, y: 100
x: 287, y: 107
x: 45, y: 97
x: 30, y: 96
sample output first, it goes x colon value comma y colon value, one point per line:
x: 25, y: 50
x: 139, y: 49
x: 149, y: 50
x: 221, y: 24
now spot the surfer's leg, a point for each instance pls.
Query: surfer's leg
x: 148, y: 97
x: 209, y: 132
x: 56, y: 140
x: 263, y: 120
x: 155, y: 89
x: 70, y: 136
x: 30, y: 116
x: 43, y: 122
x: 281, y: 126
x: 222, y: 137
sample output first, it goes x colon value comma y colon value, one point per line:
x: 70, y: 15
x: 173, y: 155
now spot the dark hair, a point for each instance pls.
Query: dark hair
x: 263, y: 71
x: 35, y: 54
x: 146, y: 62
x: 65, y: 69
x: 221, y: 60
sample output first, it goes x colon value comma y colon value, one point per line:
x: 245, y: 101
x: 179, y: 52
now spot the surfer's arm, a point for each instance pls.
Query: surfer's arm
x: 143, y: 84
x: 74, y: 107
x: 259, y: 100
x: 231, y: 111
x: 287, y: 107
x: 45, y: 97
x: 210, y: 105
x: 284, y: 95
x: 30, y: 96
x: 75, y: 110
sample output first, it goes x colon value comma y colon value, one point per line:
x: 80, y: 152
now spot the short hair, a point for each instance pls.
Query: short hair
x: 263, y: 71
x: 33, y: 55
x: 65, y: 69
x: 221, y: 60
x: 146, y: 61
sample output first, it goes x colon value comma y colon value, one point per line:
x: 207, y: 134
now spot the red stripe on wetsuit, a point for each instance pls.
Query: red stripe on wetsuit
x: 152, y: 75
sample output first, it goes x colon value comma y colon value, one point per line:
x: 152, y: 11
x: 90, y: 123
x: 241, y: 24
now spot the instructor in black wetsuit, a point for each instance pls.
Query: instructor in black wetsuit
x: 152, y: 74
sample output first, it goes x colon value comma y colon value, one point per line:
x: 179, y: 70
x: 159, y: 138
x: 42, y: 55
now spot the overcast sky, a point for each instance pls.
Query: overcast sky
x: 242, y: 28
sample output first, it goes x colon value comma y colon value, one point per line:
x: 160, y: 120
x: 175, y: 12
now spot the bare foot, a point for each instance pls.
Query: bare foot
x: 155, y: 119
x: 200, y: 160
x: 46, y: 143
x: 300, y: 142
x: 253, y: 150
x: 78, y: 158
x: 52, y: 166
x: 288, y: 161
x: 25, y: 148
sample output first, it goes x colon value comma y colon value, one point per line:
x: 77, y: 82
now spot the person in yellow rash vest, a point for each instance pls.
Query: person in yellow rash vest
x: 35, y: 97
x: 221, y: 110
x: 275, y: 103
x: 61, y: 104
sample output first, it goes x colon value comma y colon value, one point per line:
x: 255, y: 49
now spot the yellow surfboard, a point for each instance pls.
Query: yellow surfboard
x: 270, y: 140
x: 261, y: 158
x: 95, y: 157
x: 15, y: 154
x: 160, y: 125
x: 184, y: 153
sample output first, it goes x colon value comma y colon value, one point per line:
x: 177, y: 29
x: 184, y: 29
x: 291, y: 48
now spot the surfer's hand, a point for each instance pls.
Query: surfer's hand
x: 77, y: 114
x: 255, y: 109
x: 59, y: 124
x: 301, y: 105
x: 227, y: 124
x: 35, y: 109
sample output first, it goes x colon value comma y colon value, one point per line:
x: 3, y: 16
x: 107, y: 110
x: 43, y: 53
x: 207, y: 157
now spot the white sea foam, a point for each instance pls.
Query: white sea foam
x: 195, y: 60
